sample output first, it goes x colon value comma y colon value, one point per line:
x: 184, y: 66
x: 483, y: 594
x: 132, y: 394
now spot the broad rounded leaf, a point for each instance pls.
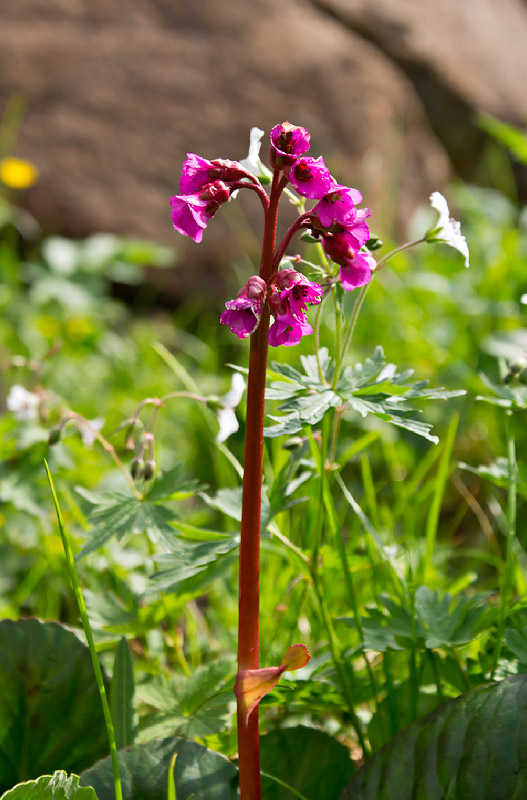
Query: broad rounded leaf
x: 310, y: 761
x: 198, y: 772
x: 58, y: 786
x: 50, y: 711
x: 474, y: 746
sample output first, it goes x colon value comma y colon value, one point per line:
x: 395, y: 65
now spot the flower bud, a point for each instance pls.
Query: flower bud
x: 54, y: 436
x: 213, y: 403
x: 374, y: 243
x: 149, y: 469
x: 137, y: 468
x: 255, y: 288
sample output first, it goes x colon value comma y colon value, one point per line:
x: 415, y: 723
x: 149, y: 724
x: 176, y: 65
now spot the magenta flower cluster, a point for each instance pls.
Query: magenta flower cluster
x: 335, y: 220
x: 288, y: 293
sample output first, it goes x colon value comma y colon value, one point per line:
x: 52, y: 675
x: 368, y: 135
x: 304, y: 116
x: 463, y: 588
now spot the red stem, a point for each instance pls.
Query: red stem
x: 249, y: 590
x: 301, y: 222
x: 256, y: 186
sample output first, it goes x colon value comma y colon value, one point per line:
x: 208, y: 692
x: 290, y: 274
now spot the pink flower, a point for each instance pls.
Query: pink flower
x: 288, y: 142
x: 198, y: 172
x: 191, y: 212
x: 243, y: 314
x: 287, y: 333
x: 338, y: 206
x: 344, y: 244
x: 343, y: 248
x: 357, y: 271
x: 310, y: 177
x: 292, y: 294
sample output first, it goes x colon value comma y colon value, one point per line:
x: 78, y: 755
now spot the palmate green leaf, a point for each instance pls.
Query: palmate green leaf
x: 193, y: 565
x: 474, y: 746
x: 392, y: 627
x: 229, y: 502
x: 311, y: 762
x: 172, y: 482
x: 447, y: 621
x: 198, y: 772
x: 117, y: 514
x: 193, y: 707
x: 439, y: 621
x: 50, y: 711
x: 371, y: 388
x: 106, y: 610
x: 58, y: 786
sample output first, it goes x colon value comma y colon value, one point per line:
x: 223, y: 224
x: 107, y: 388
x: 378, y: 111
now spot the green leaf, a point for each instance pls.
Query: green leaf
x: 516, y: 641
x: 366, y: 389
x: 474, y: 746
x: 310, y: 761
x: 172, y: 482
x: 392, y: 627
x: 506, y: 396
x: 117, y: 514
x: 58, y: 786
x: 205, y: 560
x: 50, y: 711
x: 450, y: 622
x: 143, y: 768
x: 193, y: 707
x: 498, y: 473
x: 122, y: 695
x: 229, y: 502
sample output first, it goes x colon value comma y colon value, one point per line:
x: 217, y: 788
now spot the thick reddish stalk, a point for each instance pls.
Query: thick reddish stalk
x: 249, y: 588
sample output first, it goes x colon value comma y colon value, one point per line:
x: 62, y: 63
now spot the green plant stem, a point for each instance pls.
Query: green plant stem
x: 339, y: 541
x: 326, y: 504
x: 397, y: 250
x: 453, y: 652
x: 414, y: 683
x: 359, y: 300
x: 318, y: 318
x: 390, y: 692
x: 432, y: 520
x: 433, y: 657
x: 72, y: 415
x: 75, y: 582
x: 362, y: 294
x: 249, y: 577
x: 506, y: 591
x: 338, y: 662
x: 338, y: 353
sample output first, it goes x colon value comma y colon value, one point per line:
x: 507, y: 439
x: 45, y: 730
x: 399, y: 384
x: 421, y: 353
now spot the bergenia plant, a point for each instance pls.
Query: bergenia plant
x: 283, y: 295
x: 273, y: 308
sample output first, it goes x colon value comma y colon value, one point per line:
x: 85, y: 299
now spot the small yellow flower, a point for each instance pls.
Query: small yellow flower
x: 18, y: 173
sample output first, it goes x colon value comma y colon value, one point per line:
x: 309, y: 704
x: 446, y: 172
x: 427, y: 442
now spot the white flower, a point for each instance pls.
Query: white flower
x: 24, y: 404
x: 88, y: 431
x: 523, y: 299
x: 253, y: 161
x: 447, y: 230
x: 226, y: 416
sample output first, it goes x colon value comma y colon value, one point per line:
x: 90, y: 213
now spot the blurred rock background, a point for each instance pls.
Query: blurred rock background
x: 117, y: 93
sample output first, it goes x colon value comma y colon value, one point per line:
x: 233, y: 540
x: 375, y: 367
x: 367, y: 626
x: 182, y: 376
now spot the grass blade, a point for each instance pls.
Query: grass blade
x: 75, y: 582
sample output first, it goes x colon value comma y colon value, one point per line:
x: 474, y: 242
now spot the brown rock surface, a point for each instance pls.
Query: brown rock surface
x: 118, y: 92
